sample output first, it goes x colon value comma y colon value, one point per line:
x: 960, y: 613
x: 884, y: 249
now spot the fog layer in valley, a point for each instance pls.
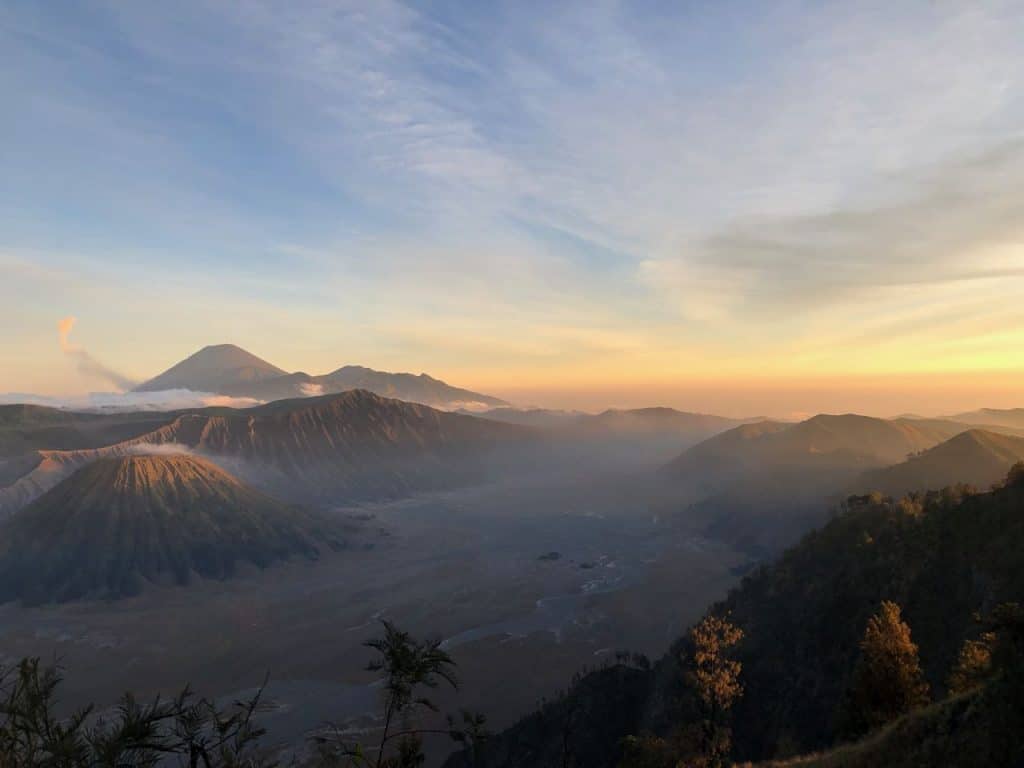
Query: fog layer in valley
x: 530, y: 576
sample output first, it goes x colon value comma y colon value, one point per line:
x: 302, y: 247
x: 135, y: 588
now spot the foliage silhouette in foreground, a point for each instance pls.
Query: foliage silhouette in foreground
x: 411, y: 668
x: 191, y: 731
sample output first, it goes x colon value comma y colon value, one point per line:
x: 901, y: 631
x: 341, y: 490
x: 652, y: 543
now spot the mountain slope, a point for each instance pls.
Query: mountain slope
x: 737, y: 449
x: 401, y: 386
x: 229, y: 370
x: 978, y: 728
x: 406, y: 386
x: 762, y: 485
x: 976, y: 457
x: 943, y: 558
x: 220, y: 368
x: 617, y: 423
x: 825, y: 440
x: 353, y: 445
x: 652, y: 421
x: 121, y: 522
x: 25, y: 428
x: 1012, y: 418
x: 542, y: 418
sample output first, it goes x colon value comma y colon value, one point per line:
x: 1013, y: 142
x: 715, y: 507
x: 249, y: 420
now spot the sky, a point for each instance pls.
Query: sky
x: 741, y: 207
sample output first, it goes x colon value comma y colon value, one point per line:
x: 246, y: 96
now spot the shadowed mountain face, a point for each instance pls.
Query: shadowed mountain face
x: 229, y: 370
x: 641, y: 437
x: 762, y: 485
x: 118, y: 523
x: 976, y: 457
x: 25, y: 428
x: 943, y: 558
x: 843, y: 443
x: 1012, y: 418
x: 354, y: 445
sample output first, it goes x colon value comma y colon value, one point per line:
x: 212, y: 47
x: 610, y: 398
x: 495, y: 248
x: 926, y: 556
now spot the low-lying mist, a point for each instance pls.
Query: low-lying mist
x: 124, y: 402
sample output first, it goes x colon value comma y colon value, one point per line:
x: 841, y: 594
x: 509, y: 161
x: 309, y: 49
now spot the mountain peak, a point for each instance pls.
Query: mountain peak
x: 230, y: 356
x: 227, y: 369
x: 222, y: 349
x: 156, y: 519
x: 218, y: 368
x: 977, y: 457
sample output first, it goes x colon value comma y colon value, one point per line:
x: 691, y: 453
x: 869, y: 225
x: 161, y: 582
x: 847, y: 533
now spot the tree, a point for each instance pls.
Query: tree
x: 1015, y: 477
x: 408, y: 666
x: 973, y: 665
x: 715, y: 678
x: 887, y: 681
x: 648, y: 751
x: 1007, y: 623
x: 195, y: 731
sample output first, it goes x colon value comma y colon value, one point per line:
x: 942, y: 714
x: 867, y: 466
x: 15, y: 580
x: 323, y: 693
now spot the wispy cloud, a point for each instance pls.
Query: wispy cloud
x: 567, y: 186
x: 960, y: 221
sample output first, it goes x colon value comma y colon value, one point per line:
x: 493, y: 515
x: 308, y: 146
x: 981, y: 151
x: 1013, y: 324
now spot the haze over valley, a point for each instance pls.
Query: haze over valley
x: 528, y: 540
x: 447, y: 384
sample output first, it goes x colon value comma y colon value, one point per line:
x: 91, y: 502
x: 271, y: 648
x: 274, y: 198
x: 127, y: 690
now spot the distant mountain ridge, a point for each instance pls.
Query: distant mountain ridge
x: 976, y: 457
x: 762, y: 485
x: 657, y: 420
x: 121, y: 522
x: 226, y: 369
x: 352, y: 445
x: 25, y: 428
x: 824, y: 441
x: 993, y: 417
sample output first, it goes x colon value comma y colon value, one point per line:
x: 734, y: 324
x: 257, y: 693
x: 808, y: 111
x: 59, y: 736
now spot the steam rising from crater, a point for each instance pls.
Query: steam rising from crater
x: 87, y: 364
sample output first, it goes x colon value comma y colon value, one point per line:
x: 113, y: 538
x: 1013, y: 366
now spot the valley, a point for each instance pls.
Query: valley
x: 397, y: 384
x: 467, y: 565
x: 231, y: 547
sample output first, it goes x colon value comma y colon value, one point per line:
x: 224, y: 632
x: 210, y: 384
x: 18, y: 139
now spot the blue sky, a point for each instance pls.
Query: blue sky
x: 561, y: 199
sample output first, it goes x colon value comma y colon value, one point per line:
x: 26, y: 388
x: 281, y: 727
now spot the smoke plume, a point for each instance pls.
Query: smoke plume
x: 87, y: 364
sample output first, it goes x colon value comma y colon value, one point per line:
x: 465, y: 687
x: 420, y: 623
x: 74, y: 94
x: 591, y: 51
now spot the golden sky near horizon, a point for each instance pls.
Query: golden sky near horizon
x: 789, y: 210
x: 882, y: 377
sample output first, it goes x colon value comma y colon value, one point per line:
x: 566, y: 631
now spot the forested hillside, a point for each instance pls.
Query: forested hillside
x: 945, y: 557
